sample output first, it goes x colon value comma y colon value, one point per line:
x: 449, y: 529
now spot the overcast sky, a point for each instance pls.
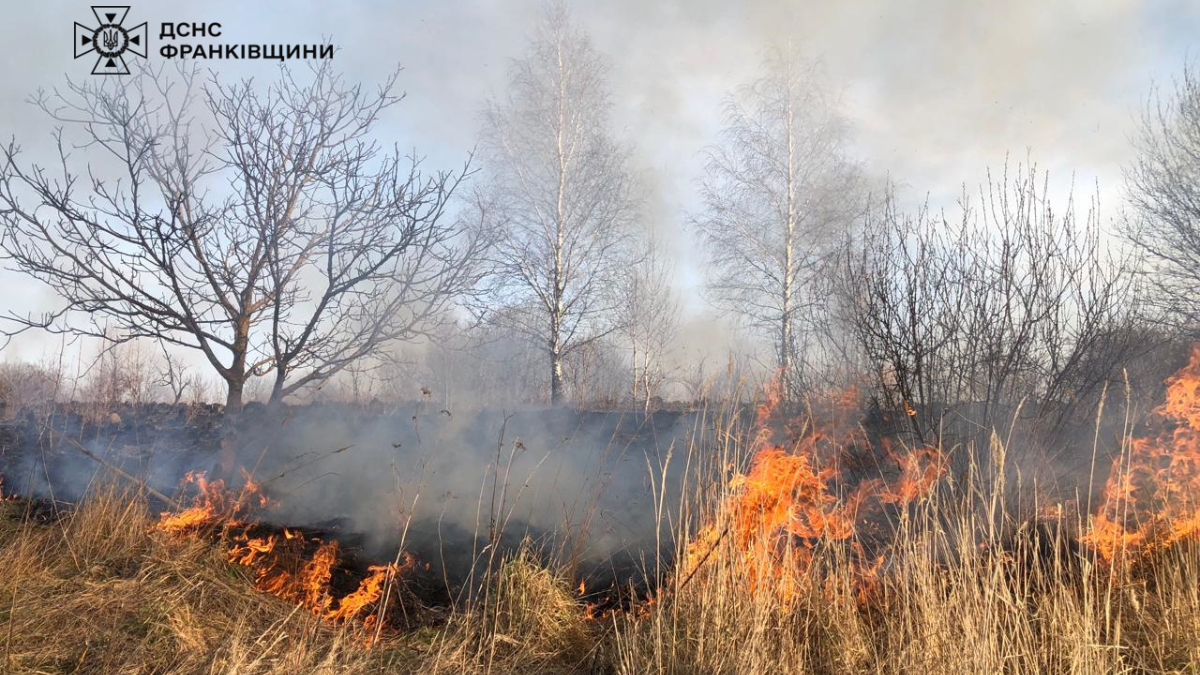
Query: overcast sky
x: 937, y: 90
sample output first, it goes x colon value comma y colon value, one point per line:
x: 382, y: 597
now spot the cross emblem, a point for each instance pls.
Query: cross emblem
x: 110, y: 40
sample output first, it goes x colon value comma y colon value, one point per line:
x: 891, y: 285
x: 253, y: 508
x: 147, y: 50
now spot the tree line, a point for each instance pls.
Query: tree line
x: 272, y: 234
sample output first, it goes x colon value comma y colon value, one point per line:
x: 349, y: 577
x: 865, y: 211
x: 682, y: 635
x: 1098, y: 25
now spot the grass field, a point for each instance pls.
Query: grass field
x: 964, y: 587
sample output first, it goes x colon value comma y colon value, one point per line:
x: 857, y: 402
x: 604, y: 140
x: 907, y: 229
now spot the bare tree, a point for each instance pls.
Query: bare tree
x: 651, y: 319
x: 262, y: 227
x: 121, y: 371
x: 175, y: 376
x: 494, y: 363
x: 1015, y: 299
x: 26, y: 386
x: 596, y: 375
x: 1164, y: 189
x: 779, y: 193
x: 560, y: 196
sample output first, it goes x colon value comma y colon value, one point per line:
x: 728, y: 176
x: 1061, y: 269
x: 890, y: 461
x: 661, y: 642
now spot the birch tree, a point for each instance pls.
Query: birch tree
x: 1164, y: 190
x: 651, y: 319
x: 779, y: 192
x: 560, y: 197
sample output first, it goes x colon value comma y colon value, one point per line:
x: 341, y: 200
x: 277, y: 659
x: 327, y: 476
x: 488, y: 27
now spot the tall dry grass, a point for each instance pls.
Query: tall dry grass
x: 970, y: 585
x: 95, y: 589
x: 92, y: 590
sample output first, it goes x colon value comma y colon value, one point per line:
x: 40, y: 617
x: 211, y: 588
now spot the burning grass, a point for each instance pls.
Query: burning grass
x: 285, y: 563
x: 103, y: 589
x: 1152, y: 497
x: 783, y: 568
x: 1027, y: 602
x: 95, y: 590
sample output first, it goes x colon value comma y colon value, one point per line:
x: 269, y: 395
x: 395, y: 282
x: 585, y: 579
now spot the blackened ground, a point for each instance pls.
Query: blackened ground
x: 445, y: 485
x: 579, y: 485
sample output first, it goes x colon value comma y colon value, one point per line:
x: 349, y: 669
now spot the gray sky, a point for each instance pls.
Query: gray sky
x: 937, y: 90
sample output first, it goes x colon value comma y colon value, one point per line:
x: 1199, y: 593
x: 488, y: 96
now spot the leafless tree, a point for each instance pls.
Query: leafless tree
x: 596, y: 375
x: 495, y: 363
x: 1164, y: 190
x: 262, y: 227
x: 694, y: 381
x: 651, y: 319
x: 120, y: 371
x: 1014, y: 300
x: 174, y: 375
x: 25, y: 386
x: 560, y: 196
x: 779, y: 193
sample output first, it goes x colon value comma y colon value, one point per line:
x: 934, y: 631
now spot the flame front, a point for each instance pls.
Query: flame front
x: 791, y: 498
x: 288, y: 565
x: 1150, y: 499
x: 214, y: 505
x: 788, y: 502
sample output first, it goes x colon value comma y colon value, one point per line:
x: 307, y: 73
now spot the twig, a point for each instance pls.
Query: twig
x: 704, y: 559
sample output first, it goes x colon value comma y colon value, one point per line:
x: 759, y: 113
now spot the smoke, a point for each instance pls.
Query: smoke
x: 581, y: 485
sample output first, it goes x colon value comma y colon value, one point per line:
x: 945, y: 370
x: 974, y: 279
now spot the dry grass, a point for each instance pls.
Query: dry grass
x: 983, y: 615
x: 94, y: 590
x: 967, y: 588
x: 527, y: 620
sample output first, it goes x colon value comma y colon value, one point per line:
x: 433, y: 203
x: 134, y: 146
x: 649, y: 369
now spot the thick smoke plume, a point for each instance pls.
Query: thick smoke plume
x: 577, y: 484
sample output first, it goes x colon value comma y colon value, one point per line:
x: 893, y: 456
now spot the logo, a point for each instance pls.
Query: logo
x: 111, y: 40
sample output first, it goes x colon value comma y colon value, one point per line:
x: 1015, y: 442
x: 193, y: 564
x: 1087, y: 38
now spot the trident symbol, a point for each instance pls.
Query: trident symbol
x: 110, y: 40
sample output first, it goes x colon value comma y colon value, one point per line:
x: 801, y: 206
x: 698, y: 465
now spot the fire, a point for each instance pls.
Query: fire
x: 288, y: 565
x: 213, y: 506
x: 920, y: 469
x: 784, y: 492
x: 791, y: 499
x: 370, y: 590
x: 1151, y: 497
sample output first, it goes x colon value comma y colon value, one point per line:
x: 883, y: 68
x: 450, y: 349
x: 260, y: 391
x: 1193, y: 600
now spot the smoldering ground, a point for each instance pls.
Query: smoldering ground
x: 584, y: 486
x: 599, y: 490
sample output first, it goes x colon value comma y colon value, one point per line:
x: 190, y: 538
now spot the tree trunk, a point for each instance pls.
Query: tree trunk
x: 233, y: 399
x: 646, y: 380
x: 233, y: 409
x: 789, y: 252
x: 556, y: 347
x: 556, y: 376
x: 276, y: 398
x: 785, y: 348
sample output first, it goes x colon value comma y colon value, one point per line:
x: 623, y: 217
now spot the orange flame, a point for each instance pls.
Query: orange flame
x: 919, y: 472
x: 287, y: 565
x: 788, y: 501
x: 213, y: 506
x: 1151, y: 496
